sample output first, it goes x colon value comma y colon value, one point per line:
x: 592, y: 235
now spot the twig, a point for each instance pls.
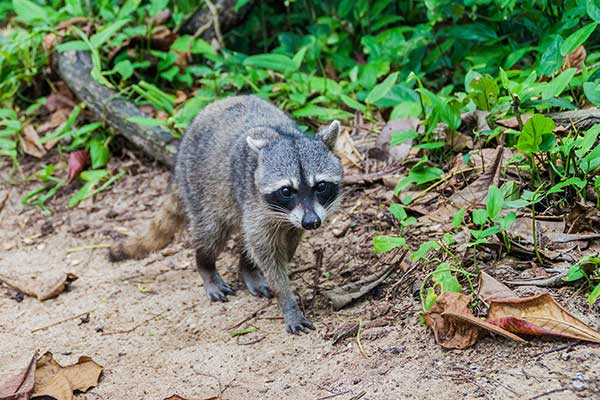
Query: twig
x: 331, y: 396
x: 88, y: 247
x: 42, y: 328
x: 368, y: 178
x: 358, y: 333
x: 318, y: 267
x: 216, y: 22
x: 133, y: 328
x: 251, y: 316
x: 548, y: 392
x: 443, y: 180
x: 561, y: 348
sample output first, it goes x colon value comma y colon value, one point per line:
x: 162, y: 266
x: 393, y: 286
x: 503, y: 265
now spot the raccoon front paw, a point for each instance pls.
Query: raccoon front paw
x: 297, y: 322
x: 218, y: 291
x: 256, y: 283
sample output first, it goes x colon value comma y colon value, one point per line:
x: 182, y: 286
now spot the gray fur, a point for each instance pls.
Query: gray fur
x: 235, y: 151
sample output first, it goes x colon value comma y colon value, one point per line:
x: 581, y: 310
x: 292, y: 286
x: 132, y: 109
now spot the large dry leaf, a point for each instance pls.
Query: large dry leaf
x: 490, y: 289
x: 575, y: 59
x: 348, y: 152
x: 31, y: 142
x: 539, y: 315
x: 455, y: 326
x: 44, y: 287
x: 20, y: 385
x: 450, y: 332
x: 52, y: 379
x: 396, y: 153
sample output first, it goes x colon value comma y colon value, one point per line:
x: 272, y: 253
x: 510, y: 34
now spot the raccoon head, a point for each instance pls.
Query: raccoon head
x: 298, y: 176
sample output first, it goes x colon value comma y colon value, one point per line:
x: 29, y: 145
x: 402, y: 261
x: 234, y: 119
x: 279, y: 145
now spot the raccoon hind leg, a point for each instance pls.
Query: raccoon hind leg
x: 209, y: 240
x: 253, y: 278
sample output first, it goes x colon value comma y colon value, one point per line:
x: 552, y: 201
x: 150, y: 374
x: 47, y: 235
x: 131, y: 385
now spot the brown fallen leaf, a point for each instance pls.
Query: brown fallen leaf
x: 31, y: 142
x: 347, y: 151
x: 512, y: 122
x: 490, y: 289
x: 52, y: 379
x: 19, y: 386
x: 455, y: 326
x: 575, y: 59
x: 43, y: 288
x: 450, y: 332
x: 539, y: 315
x: 76, y: 163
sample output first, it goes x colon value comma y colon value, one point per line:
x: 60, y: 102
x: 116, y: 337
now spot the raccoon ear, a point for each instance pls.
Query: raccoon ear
x: 329, y: 134
x: 256, y: 144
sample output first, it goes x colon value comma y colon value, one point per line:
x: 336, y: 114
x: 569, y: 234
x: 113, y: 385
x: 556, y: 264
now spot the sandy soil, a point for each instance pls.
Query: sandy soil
x: 176, y: 341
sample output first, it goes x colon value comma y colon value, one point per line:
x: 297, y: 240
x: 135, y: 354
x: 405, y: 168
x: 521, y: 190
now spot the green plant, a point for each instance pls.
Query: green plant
x: 588, y: 269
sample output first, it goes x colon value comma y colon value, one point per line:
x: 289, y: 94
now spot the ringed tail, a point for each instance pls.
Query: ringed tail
x: 161, y: 231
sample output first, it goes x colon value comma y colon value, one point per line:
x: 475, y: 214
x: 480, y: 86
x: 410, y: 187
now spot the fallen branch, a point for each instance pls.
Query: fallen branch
x: 582, y: 120
x: 228, y: 17
x: 157, y: 142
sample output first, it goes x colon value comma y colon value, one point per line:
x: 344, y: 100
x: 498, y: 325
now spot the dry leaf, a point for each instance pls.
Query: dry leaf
x: 575, y: 59
x: 455, y: 326
x: 19, y: 386
x: 52, y: 379
x: 345, y: 148
x: 490, y: 289
x: 43, y: 288
x: 343, y: 295
x: 539, y: 315
x: 450, y: 332
x: 383, y: 144
x: 512, y: 122
x: 77, y: 162
x: 31, y: 142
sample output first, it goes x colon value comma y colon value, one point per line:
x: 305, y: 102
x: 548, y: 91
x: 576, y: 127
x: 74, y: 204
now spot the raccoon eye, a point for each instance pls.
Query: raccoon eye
x: 286, y: 191
x: 321, y: 187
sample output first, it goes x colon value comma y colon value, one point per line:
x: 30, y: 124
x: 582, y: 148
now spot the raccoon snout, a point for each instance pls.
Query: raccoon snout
x: 311, y: 221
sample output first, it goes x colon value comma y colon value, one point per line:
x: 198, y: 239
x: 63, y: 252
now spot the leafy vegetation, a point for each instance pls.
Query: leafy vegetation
x: 434, y: 60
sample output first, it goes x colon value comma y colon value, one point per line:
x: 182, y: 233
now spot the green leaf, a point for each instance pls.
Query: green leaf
x: 446, y: 279
x: 594, y: 295
x: 484, y: 93
x: 322, y: 113
x: 92, y: 178
x: 482, y: 234
x: 276, y: 62
x: 382, y: 89
x: 28, y: 11
x: 530, y: 138
x: 430, y: 299
x: 558, y: 84
x: 246, y: 331
x: 507, y: 221
x: 495, y: 201
x: 99, y: 152
x: 423, y: 249
x: 73, y: 45
x: 399, y: 137
x: 551, y: 60
x: 479, y: 217
x: 199, y: 46
x: 579, y: 183
x: 592, y: 92
x: 125, y: 69
x: 574, y: 273
x: 398, y: 211
x: 577, y: 38
x: 383, y: 244
x: 458, y: 218
x: 240, y: 3
x: 147, y: 121
x: 589, y: 139
x: 101, y: 37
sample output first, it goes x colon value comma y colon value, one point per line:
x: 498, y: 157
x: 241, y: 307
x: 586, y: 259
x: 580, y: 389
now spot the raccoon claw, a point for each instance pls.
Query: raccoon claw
x: 218, y: 291
x: 299, y: 324
x: 256, y: 283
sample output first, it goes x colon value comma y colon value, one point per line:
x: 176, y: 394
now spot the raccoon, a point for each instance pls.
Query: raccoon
x: 244, y: 167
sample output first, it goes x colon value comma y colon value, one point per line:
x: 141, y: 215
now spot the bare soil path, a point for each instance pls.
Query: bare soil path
x: 173, y: 340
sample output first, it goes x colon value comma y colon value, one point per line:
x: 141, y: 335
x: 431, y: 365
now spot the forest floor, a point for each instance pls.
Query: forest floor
x: 151, y: 326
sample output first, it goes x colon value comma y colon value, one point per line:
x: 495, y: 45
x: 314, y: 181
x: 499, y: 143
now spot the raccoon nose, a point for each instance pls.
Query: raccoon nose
x: 311, y: 221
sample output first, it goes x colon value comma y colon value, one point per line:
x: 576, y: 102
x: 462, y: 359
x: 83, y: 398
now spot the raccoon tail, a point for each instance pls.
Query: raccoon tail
x: 159, y: 233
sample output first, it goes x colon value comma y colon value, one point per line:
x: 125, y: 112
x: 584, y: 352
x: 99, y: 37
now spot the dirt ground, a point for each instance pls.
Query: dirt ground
x: 156, y: 334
